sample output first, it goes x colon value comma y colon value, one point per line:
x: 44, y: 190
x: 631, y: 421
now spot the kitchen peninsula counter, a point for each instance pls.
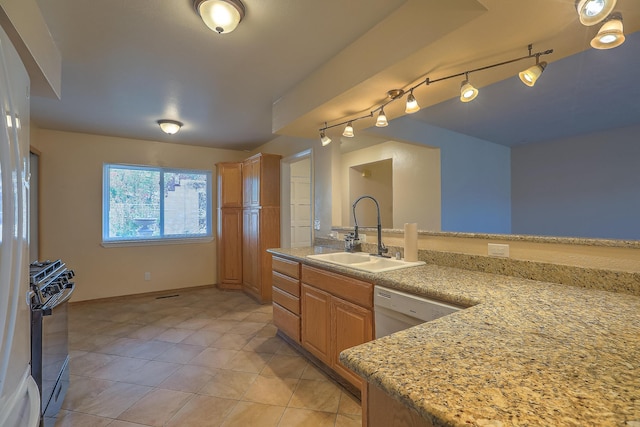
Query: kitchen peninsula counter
x: 524, y: 352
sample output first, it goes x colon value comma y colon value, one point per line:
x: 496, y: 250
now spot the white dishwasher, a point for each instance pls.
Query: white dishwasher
x: 396, y: 310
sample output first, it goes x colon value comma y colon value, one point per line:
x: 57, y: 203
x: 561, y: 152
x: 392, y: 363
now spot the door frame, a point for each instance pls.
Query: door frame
x: 285, y: 195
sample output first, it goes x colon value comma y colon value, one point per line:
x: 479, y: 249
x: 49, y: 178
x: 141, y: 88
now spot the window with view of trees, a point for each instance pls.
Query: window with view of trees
x: 150, y: 203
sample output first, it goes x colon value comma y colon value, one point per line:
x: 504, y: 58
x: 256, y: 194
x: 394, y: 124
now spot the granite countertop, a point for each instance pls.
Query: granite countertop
x: 524, y: 353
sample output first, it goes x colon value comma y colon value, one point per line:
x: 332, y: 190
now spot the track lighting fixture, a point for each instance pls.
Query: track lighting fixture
x: 591, y: 12
x: 324, y: 139
x: 611, y: 33
x: 221, y: 16
x: 467, y: 91
x: 348, y: 130
x: 170, y: 127
x: 412, y: 104
x: 381, y: 121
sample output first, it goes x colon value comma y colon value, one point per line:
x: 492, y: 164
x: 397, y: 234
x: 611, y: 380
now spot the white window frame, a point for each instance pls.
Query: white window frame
x: 154, y: 240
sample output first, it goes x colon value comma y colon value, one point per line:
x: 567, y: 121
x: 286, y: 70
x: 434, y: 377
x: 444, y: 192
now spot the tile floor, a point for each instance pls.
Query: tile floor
x: 203, y: 358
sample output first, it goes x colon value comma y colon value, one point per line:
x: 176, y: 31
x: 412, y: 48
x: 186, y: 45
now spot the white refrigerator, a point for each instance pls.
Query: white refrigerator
x: 19, y: 395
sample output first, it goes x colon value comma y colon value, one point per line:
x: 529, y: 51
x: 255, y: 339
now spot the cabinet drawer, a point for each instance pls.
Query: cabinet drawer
x: 353, y: 290
x: 286, y: 267
x: 286, y: 300
x: 287, y: 322
x: 286, y: 283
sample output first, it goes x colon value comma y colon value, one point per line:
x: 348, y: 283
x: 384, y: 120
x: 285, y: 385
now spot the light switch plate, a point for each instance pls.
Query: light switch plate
x: 316, y: 224
x: 498, y: 250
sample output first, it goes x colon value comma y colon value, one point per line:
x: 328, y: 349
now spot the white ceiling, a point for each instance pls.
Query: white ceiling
x: 129, y: 63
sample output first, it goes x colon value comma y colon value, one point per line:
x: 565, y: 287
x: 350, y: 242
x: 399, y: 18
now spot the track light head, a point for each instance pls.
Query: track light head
x: 348, y: 131
x: 324, y: 138
x: 611, y: 33
x: 412, y: 104
x: 531, y: 74
x: 591, y: 12
x: 381, y: 121
x: 467, y: 91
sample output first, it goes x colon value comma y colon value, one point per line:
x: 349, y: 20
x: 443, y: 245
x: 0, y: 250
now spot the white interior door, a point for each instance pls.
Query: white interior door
x: 300, y: 203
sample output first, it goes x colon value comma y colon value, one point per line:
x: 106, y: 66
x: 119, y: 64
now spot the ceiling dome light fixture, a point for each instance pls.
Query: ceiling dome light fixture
x: 221, y: 16
x: 170, y: 127
x: 611, y: 33
x: 381, y: 121
x: 467, y: 91
x: 412, y: 104
x: 348, y: 130
x: 591, y: 12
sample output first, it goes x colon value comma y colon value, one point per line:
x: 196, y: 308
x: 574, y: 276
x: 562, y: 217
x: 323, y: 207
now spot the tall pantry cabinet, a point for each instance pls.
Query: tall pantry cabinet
x: 229, y: 225
x: 260, y: 222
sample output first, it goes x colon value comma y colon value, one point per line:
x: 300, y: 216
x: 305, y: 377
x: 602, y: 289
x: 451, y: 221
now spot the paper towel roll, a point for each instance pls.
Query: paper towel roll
x: 411, y: 242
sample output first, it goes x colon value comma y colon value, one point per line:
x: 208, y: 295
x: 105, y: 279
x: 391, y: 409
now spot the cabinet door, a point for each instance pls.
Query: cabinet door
x: 251, y: 182
x: 316, y: 322
x: 250, y: 259
x: 230, y: 246
x: 351, y: 325
x: 229, y: 185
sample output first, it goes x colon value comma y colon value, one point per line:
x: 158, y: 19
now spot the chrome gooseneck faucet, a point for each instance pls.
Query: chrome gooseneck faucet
x: 382, y: 249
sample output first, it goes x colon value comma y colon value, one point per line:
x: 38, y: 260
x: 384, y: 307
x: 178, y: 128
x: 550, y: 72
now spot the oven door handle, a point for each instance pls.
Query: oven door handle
x: 68, y: 291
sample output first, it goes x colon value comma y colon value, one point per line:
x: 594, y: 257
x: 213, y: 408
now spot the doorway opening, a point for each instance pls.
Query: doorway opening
x: 297, y: 200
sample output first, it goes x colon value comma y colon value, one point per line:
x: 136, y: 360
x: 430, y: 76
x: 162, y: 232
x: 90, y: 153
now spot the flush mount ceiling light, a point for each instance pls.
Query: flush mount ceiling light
x: 221, y: 16
x: 611, y: 33
x: 170, y: 127
x: 591, y: 12
x: 467, y: 91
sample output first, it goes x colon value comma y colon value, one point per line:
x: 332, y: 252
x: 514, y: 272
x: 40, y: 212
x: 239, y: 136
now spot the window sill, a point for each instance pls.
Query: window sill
x: 156, y: 242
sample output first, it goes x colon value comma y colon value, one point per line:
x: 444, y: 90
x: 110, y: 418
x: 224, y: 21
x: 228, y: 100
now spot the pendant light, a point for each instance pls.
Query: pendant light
x: 381, y: 121
x: 412, y: 104
x: 467, y: 91
x: 591, y: 12
x: 531, y: 74
x: 348, y: 130
x: 611, y: 33
x: 324, y: 139
x: 221, y: 16
x: 170, y: 127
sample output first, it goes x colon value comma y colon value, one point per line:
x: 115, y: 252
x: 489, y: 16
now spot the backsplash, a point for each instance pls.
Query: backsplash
x: 590, y: 278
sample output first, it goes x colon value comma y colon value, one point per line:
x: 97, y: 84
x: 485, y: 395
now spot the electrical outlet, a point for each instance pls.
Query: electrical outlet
x: 498, y: 250
x: 316, y: 224
x: 147, y: 275
x: 363, y: 238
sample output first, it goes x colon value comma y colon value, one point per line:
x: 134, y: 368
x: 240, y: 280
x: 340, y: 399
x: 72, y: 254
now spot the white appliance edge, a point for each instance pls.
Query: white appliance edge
x: 19, y: 395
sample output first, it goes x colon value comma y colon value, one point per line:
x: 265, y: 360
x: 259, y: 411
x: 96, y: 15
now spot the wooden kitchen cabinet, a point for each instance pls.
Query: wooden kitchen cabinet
x: 229, y: 226
x: 261, y: 223
x: 336, y: 313
x: 286, y: 297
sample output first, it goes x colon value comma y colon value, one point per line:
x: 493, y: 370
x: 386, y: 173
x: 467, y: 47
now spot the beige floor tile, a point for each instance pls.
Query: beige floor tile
x: 148, y: 349
x: 194, y: 323
x: 156, y: 408
x: 146, y: 332
x: 202, y: 411
x: 248, y: 361
x: 259, y: 317
x: 114, y: 400
x: 345, y: 420
x: 316, y: 395
x: 294, y: 417
x: 271, y: 390
x: 285, y: 366
x: 214, y: 357
x: 169, y: 321
x: 202, y: 337
x: 88, y: 362
x: 288, y: 350
x: 231, y: 341
x: 234, y: 315
x: 247, y: 328
x: 228, y: 384
x: 122, y: 329
x: 220, y: 325
x: 152, y: 373
x: 83, y: 389
x: 269, y: 330
x: 249, y: 414
x: 189, y: 378
x: 118, y: 368
x: 77, y: 419
x: 349, y: 404
x: 264, y: 344
x: 120, y: 423
x: 89, y: 342
x: 180, y: 353
x: 174, y: 335
x: 311, y: 372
